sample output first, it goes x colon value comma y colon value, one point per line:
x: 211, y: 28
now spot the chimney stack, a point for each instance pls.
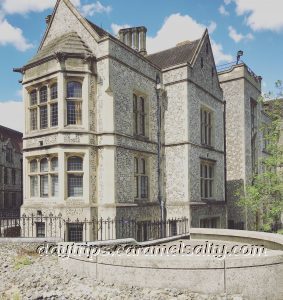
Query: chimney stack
x: 135, y: 38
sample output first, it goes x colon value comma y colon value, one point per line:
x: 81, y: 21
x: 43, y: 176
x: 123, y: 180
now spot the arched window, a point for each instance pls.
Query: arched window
x: 54, y: 164
x: 33, y: 97
x: 74, y: 89
x: 54, y: 91
x: 44, y: 165
x: 75, y: 176
x: 43, y: 94
x: 75, y: 163
x: 33, y: 166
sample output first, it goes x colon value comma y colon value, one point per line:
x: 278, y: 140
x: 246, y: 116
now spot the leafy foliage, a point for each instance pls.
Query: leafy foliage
x: 264, y: 195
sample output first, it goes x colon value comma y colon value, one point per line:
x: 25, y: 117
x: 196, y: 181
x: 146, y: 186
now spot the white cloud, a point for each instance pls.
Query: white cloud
x: 13, y: 35
x: 261, y: 15
x: 238, y: 37
x: 178, y: 28
x: 26, y: 6
x: 219, y: 55
x: 93, y: 8
x: 227, y: 2
x: 12, y: 115
x: 223, y: 11
x: 115, y: 27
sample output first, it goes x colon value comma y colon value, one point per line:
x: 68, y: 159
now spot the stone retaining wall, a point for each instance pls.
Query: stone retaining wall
x: 259, y: 277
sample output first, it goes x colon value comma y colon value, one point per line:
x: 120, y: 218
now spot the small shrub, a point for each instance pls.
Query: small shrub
x: 22, y: 261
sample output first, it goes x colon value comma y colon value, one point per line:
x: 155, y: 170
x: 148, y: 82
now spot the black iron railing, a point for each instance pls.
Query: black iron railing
x: 90, y: 230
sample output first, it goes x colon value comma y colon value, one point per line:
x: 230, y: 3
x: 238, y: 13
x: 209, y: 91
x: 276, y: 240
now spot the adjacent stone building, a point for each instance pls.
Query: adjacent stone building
x: 11, y: 196
x: 113, y: 132
x: 244, y: 120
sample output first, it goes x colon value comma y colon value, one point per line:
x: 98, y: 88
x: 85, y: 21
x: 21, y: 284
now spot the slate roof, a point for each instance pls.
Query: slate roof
x: 100, y: 31
x: 68, y: 43
x: 182, y: 53
x: 16, y: 137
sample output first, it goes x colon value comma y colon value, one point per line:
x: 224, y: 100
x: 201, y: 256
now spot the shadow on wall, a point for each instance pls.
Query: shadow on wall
x: 237, y: 216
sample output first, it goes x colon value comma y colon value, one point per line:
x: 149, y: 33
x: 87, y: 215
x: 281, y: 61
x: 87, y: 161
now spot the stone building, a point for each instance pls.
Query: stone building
x: 11, y: 196
x: 244, y: 138
x: 113, y: 132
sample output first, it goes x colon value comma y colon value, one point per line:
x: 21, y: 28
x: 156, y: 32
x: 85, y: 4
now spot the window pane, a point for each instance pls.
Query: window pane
x: 75, y: 164
x: 54, y: 185
x: 40, y: 229
x: 43, y: 94
x: 33, y: 119
x: 33, y: 97
x: 142, y: 124
x: 43, y: 117
x: 74, y: 113
x: 75, y: 185
x: 136, y: 165
x: 13, y: 176
x: 44, y: 165
x: 33, y: 186
x: 54, y: 114
x: 44, y: 186
x: 141, y: 108
x: 54, y: 164
x: 74, y: 89
x: 54, y: 91
x: 33, y: 166
x: 144, y: 186
x: 142, y: 166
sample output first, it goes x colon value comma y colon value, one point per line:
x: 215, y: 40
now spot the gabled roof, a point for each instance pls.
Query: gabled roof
x: 100, y: 31
x: 15, y: 137
x: 182, y: 53
x: 67, y: 43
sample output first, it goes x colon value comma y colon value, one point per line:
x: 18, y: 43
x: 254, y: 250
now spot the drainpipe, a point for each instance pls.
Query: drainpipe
x: 159, y: 149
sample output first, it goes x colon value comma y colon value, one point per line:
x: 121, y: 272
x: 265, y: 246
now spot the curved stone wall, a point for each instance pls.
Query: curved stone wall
x: 259, y: 277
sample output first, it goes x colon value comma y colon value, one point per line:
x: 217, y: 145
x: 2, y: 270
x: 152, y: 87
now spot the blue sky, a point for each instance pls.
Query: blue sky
x: 254, y: 26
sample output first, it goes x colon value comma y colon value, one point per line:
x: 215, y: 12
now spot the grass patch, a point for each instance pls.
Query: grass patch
x: 280, y: 231
x: 21, y: 262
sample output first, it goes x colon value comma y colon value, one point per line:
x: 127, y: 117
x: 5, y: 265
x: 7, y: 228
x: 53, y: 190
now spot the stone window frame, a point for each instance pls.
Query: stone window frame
x: 38, y: 174
x: 40, y: 103
x: 207, y: 129
x: 141, y: 177
x: 77, y: 101
x: 207, y: 179
x: 140, y: 114
x: 77, y: 173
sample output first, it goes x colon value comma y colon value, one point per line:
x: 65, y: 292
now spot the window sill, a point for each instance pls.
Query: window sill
x: 208, y: 146
x: 141, y: 200
x: 141, y: 137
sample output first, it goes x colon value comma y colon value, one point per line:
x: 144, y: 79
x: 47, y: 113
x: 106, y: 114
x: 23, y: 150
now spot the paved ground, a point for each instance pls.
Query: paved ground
x: 25, y: 275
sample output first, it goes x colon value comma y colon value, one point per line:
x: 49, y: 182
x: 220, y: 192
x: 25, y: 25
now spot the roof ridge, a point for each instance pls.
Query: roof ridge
x: 10, y: 129
x: 177, y: 46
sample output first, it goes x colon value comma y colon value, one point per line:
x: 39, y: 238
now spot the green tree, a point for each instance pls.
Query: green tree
x: 263, y: 197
